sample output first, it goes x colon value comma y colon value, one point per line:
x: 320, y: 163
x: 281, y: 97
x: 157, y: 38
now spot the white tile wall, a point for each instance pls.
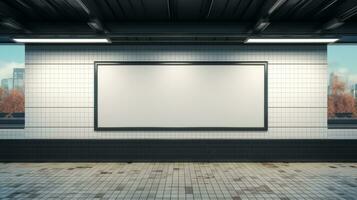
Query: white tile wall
x: 60, y: 89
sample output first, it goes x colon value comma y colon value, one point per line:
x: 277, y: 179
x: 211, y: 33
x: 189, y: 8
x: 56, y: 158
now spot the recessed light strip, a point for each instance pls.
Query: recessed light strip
x: 61, y: 40
x: 291, y: 40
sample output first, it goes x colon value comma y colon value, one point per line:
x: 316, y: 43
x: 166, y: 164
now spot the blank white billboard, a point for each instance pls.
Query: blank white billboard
x: 180, y: 96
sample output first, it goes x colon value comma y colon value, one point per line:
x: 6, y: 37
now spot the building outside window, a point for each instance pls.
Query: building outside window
x: 342, y: 86
x: 12, y: 90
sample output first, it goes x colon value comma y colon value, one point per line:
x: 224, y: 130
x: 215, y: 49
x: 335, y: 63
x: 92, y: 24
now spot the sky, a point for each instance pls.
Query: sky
x: 11, y: 56
x: 342, y: 58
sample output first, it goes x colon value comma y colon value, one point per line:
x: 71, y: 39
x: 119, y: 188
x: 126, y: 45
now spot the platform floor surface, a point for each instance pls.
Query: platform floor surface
x: 282, y: 181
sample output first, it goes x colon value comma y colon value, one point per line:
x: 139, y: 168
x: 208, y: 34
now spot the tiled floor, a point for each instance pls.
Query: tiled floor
x: 178, y: 181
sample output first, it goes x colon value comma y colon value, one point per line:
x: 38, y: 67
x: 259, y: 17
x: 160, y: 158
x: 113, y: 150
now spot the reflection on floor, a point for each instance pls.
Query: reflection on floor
x: 178, y: 181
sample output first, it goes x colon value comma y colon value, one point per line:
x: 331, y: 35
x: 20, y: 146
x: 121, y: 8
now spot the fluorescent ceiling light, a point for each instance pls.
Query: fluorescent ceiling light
x: 61, y: 40
x: 291, y: 40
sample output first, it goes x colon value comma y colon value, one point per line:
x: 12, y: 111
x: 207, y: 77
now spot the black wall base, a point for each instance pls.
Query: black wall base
x: 178, y: 150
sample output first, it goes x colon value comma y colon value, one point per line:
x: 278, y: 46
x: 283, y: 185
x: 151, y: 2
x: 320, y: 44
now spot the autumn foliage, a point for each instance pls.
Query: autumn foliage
x: 339, y: 101
x: 11, y: 101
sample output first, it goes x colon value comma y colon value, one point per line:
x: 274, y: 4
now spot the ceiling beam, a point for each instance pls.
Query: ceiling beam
x: 275, y: 7
x: 168, y: 9
x: 84, y: 7
x: 210, y: 5
x: 8, y: 18
x: 8, y: 11
x: 97, y: 25
x: 264, y: 20
x: 13, y: 24
x: 338, y: 21
x: 325, y: 7
x: 94, y: 17
x: 171, y: 4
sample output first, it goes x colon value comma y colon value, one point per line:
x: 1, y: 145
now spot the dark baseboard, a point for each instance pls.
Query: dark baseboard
x: 46, y: 150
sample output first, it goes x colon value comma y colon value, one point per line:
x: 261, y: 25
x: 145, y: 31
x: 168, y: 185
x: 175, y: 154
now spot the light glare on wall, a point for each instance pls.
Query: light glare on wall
x: 291, y: 40
x: 61, y: 40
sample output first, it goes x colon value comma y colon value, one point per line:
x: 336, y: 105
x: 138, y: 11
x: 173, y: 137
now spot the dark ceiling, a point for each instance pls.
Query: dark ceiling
x: 178, y: 20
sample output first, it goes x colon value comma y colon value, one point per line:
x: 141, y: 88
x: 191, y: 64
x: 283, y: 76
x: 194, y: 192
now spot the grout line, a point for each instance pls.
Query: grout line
x: 171, y: 131
x: 93, y: 107
x: 298, y: 107
x: 59, y: 127
x: 58, y: 107
x: 92, y: 63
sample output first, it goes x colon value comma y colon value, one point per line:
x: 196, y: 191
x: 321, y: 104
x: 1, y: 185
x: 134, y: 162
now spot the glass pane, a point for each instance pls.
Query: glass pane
x: 12, y: 74
x: 342, y: 85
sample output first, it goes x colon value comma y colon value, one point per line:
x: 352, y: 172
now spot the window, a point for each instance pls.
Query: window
x: 342, y: 86
x: 12, y: 74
